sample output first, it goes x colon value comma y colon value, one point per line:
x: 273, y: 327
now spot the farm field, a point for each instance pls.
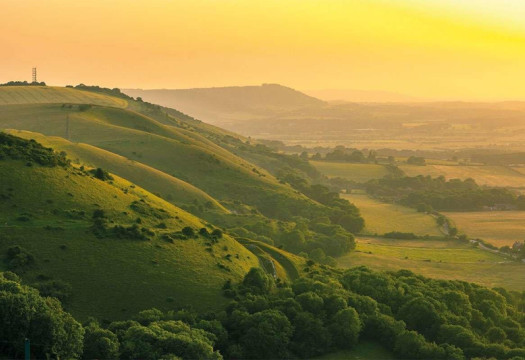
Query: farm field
x: 499, y: 228
x: 437, y: 259
x: 500, y: 176
x: 350, y: 171
x: 381, y: 218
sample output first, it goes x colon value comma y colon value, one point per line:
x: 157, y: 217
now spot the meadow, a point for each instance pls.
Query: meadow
x: 437, y: 259
x: 351, y: 171
x: 499, y: 228
x: 381, y: 218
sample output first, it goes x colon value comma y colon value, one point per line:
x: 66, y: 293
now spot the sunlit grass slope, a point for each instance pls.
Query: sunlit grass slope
x: 381, y: 218
x: 171, y: 189
x: 48, y: 211
x: 10, y: 95
x: 437, y: 259
x: 181, y: 153
x: 349, y: 171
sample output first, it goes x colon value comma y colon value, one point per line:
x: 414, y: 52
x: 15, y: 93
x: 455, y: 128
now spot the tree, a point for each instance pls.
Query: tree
x: 25, y: 314
x: 188, y: 231
x: 100, y: 343
x: 310, y: 338
x: 421, y: 315
x: 257, y: 281
x: 266, y: 335
x: 345, y: 327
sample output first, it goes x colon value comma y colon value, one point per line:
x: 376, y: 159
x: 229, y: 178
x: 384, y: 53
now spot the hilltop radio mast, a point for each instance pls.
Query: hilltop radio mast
x: 34, y: 75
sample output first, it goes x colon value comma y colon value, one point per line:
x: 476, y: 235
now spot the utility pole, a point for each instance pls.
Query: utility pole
x: 34, y: 75
x: 67, y: 127
x: 27, y: 349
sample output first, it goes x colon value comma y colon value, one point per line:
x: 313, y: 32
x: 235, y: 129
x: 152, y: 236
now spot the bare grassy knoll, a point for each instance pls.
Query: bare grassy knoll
x: 438, y: 259
x: 381, y: 218
x: 499, y: 228
x: 350, y: 171
x: 501, y: 176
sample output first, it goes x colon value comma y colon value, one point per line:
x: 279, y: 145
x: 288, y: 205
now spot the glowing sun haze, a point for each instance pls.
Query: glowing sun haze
x: 447, y: 49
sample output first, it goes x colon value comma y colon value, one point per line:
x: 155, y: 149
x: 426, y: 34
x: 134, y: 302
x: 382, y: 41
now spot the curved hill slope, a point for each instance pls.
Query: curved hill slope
x: 178, y: 152
x: 171, y: 189
x: 116, y: 259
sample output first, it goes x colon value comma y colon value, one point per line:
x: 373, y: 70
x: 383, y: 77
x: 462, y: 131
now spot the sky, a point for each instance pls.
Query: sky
x: 437, y: 49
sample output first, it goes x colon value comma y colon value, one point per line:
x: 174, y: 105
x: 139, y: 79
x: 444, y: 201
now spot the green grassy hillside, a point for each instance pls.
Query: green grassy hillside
x: 181, y: 153
x: 48, y: 211
x: 176, y: 191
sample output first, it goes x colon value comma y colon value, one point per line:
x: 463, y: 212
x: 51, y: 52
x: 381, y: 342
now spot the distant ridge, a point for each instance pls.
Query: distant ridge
x: 212, y: 104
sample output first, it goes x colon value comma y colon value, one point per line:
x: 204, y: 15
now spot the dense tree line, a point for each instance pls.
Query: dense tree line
x: 23, y: 83
x: 427, y: 193
x: 327, y: 310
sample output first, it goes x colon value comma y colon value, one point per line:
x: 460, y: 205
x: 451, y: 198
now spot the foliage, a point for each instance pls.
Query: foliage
x: 26, y: 314
x: 440, y: 194
x: 12, y: 147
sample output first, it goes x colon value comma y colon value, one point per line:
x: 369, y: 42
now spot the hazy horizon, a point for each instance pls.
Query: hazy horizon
x: 470, y: 50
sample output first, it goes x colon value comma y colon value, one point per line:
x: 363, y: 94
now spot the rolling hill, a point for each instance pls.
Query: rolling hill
x: 51, y: 212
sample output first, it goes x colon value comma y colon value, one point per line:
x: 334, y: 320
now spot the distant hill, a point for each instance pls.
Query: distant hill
x: 219, y: 104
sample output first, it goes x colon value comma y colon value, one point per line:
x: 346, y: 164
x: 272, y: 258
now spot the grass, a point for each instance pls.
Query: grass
x: 355, y: 172
x: 437, y: 259
x: 365, y: 350
x: 381, y: 218
x: 500, y: 176
x: 174, y: 190
x: 499, y: 228
x: 109, y: 272
x: 179, y: 153
x: 10, y: 95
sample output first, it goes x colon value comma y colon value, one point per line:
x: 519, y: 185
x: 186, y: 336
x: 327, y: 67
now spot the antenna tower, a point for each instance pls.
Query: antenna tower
x: 34, y: 75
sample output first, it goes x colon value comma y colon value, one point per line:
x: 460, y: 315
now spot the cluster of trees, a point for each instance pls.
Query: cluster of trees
x: 344, y: 154
x: 427, y: 193
x: 12, y: 147
x: 327, y: 310
x: 416, y: 160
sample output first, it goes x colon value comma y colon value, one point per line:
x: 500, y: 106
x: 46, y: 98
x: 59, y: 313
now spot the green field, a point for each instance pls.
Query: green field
x: 499, y: 176
x: 438, y: 259
x: 355, y: 172
x: 381, y: 218
x: 499, y: 228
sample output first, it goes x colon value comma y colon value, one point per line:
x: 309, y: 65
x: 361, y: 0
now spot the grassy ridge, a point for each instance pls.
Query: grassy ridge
x: 174, y: 190
x: 10, y: 95
x: 110, y: 271
x: 206, y: 165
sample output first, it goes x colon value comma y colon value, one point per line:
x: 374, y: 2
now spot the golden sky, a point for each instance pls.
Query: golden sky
x: 446, y: 49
